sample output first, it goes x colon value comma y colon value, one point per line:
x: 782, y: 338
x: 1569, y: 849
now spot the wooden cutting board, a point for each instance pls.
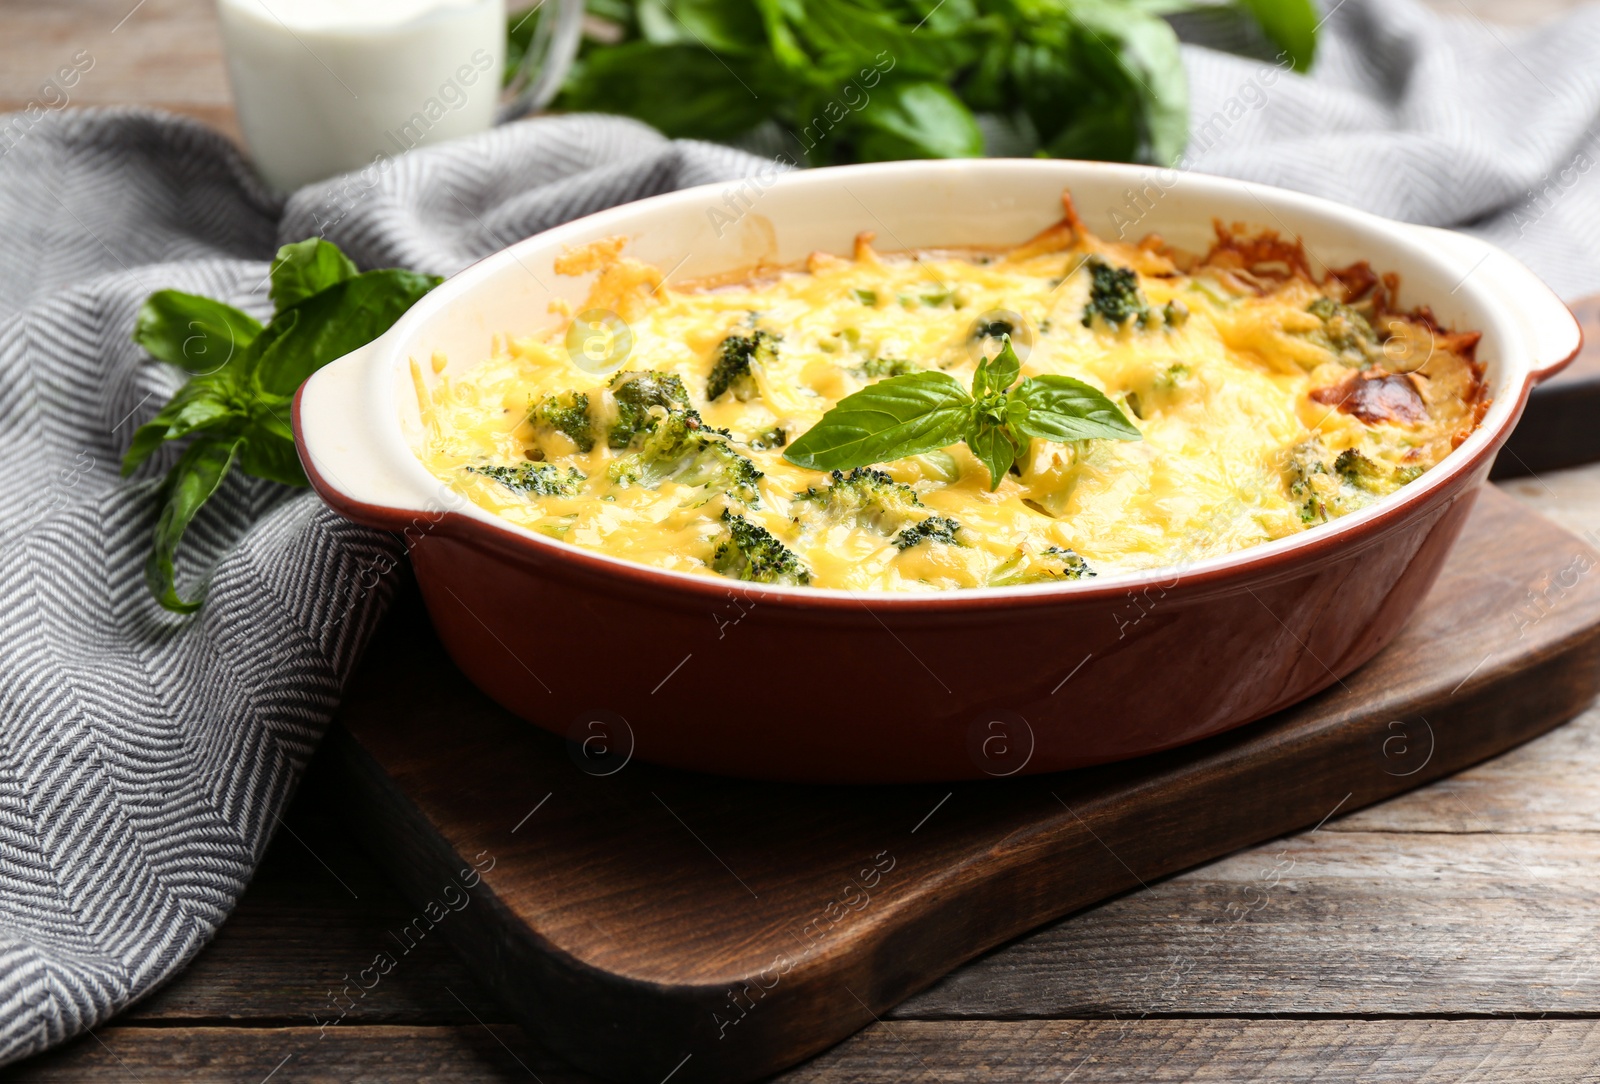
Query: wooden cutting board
x: 650, y: 923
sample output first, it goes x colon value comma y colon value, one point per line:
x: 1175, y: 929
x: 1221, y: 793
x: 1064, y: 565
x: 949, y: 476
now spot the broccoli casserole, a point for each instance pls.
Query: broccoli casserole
x: 1230, y: 398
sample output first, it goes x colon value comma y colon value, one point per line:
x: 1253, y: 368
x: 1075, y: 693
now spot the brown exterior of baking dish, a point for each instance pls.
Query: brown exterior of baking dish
x: 789, y: 684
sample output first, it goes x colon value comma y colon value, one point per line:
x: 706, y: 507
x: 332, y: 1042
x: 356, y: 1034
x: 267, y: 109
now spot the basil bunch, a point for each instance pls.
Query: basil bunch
x: 237, y: 401
x: 922, y: 412
x: 872, y: 80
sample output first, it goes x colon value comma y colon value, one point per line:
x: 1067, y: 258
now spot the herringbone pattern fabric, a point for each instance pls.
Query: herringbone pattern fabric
x: 1443, y: 121
x: 144, y: 757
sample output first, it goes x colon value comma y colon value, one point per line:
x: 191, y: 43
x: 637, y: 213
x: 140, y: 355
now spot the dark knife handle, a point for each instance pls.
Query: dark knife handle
x: 1561, y: 427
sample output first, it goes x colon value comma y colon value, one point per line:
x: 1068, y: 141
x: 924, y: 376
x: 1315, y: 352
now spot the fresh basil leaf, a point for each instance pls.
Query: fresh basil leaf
x: 205, y: 402
x: 999, y: 374
x: 1077, y: 97
x: 894, y: 418
x: 980, y: 380
x: 1006, y: 367
x: 986, y: 88
x: 850, y: 41
x: 708, y: 100
x: 1170, y: 7
x: 1017, y: 412
x: 718, y: 25
x: 189, y: 485
x: 993, y: 445
x: 305, y: 268
x: 269, y: 450
x: 240, y: 408
x: 1108, y: 134
x: 266, y: 456
x: 779, y: 17
x: 146, y: 439
x: 330, y: 324
x: 274, y: 352
x: 192, y: 332
x: 1146, y: 48
x: 270, y: 414
x: 1291, y: 25
x: 1075, y: 78
x: 1063, y: 409
x: 955, y: 18
x: 922, y: 119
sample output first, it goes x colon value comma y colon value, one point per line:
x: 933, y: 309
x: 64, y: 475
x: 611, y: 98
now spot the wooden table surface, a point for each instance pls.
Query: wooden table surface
x: 1446, y: 935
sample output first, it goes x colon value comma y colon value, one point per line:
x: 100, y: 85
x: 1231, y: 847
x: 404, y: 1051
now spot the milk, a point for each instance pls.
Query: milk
x: 328, y: 86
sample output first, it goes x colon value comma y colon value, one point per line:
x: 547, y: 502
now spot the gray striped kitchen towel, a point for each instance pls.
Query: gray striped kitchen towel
x: 144, y: 757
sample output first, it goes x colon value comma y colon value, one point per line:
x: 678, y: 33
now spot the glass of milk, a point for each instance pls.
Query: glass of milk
x: 329, y: 86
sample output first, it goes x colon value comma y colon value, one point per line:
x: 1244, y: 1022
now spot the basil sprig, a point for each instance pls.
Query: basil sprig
x: 921, y: 412
x: 873, y: 80
x: 237, y: 401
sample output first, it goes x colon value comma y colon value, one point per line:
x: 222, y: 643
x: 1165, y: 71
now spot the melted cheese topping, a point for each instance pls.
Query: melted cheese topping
x: 1245, y: 397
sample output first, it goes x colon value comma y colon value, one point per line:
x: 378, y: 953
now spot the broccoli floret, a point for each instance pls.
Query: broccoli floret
x: 934, y: 297
x: 868, y: 298
x: 863, y: 498
x: 748, y: 551
x: 671, y: 441
x: 731, y: 372
x: 995, y: 326
x: 1359, y: 471
x: 870, y: 499
x: 776, y: 437
x: 1323, y: 490
x: 1347, y: 333
x: 536, y: 479
x: 1114, y: 295
x: 877, y: 367
x: 1065, y: 564
x: 1305, y: 473
x: 636, y: 393
x: 1406, y: 475
x: 1054, y: 563
x: 932, y: 529
x: 678, y: 447
x: 718, y: 466
x: 567, y: 413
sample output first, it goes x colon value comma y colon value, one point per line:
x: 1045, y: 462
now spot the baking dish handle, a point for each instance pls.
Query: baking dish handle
x: 1551, y: 334
x: 356, y: 465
